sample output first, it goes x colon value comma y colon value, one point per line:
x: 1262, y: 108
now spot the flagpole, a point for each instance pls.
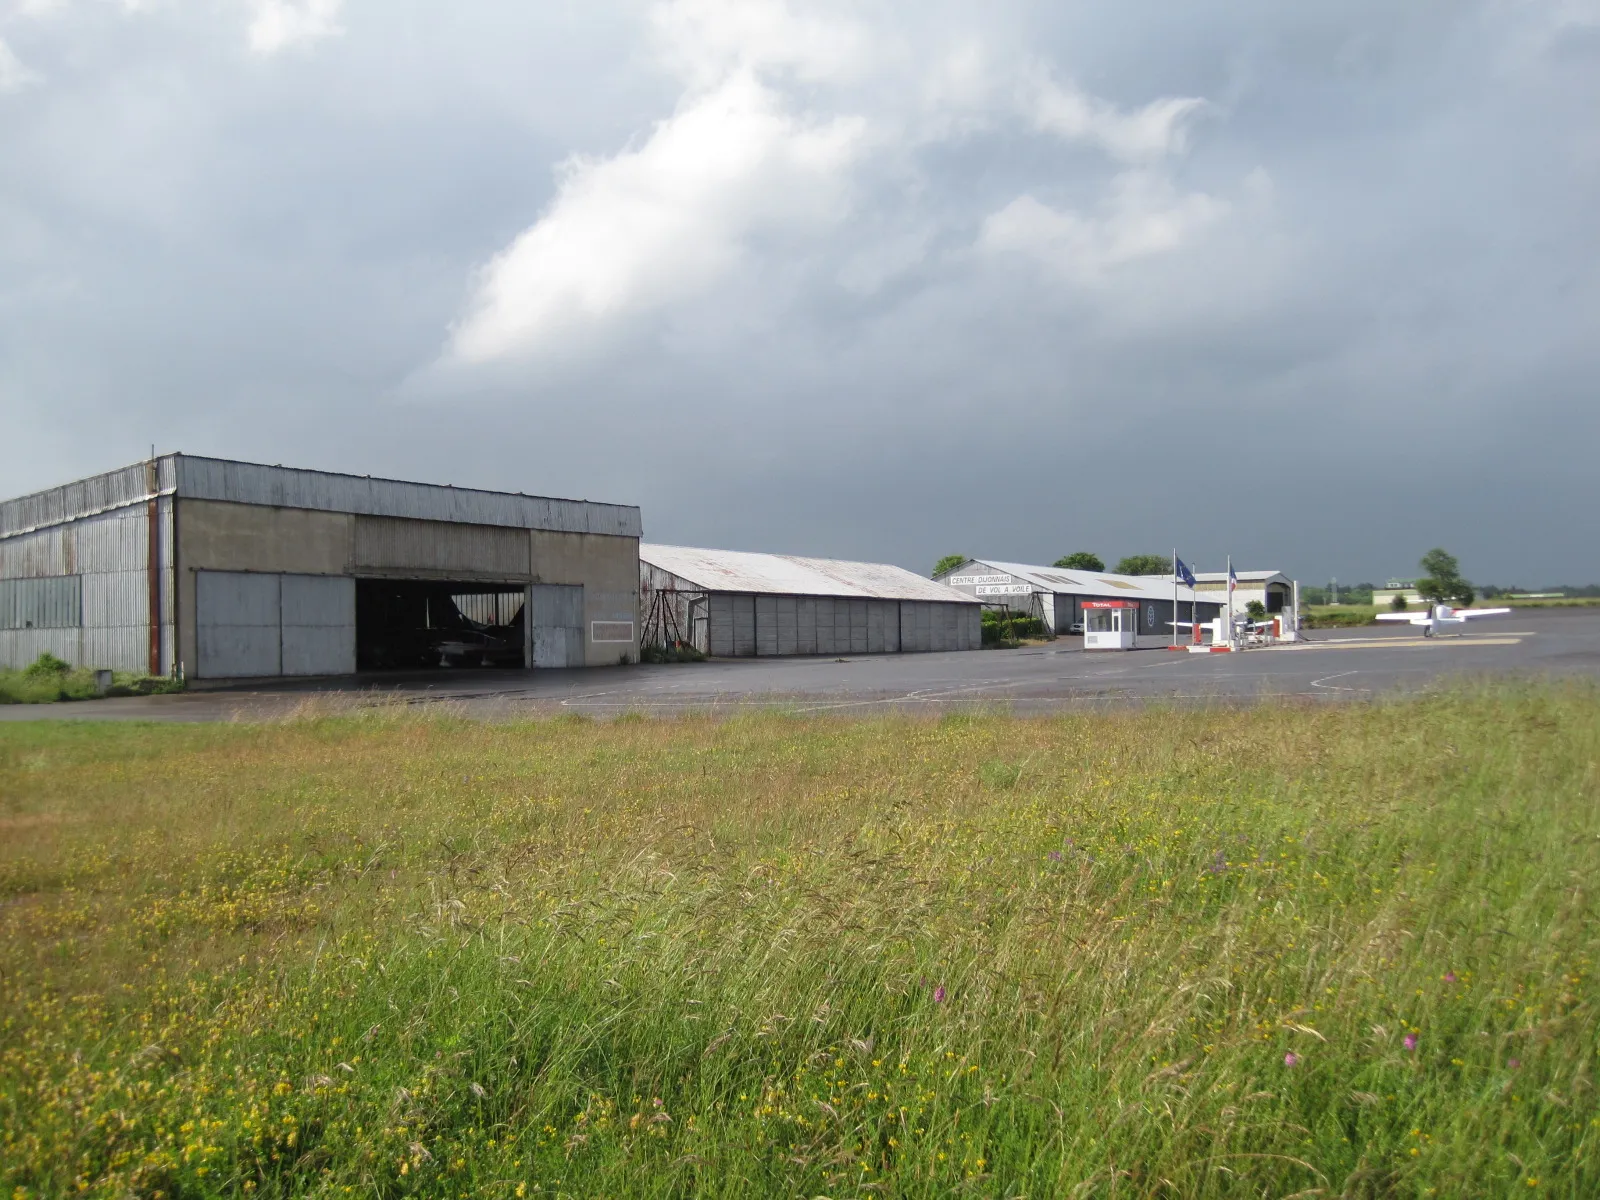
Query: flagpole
x: 1230, y: 601
x: 1174, y: 596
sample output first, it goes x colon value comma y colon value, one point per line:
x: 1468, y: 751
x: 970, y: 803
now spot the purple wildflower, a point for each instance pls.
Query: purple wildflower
x: 1513, y: 1063
x: 1449, y: 976
x: 1409, y: 1041
x: 1055, y: 856
x: 938, y: 994
x: 1291, y: 1059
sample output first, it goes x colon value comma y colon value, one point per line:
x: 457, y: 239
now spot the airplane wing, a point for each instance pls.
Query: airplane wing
x: 1421, y: 618
x: 1480, y: 612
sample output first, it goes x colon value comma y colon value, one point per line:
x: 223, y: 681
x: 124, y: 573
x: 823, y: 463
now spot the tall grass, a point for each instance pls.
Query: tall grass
x: 1281, y: 951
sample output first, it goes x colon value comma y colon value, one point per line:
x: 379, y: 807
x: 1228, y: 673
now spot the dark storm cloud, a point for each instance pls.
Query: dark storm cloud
x: 1310, y: 284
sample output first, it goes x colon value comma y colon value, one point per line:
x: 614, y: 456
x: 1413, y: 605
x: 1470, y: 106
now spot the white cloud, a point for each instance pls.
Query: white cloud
x: 14, y: 74
x: 661, y: 221
x: 705, y: 41
x: 1143, y: 215
x: 786, y: 115
x: 279, y: 24
x: 1157, y: 130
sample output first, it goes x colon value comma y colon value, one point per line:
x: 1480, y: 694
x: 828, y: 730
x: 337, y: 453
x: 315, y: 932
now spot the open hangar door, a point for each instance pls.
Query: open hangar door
x: 257, y: 624
x: 408, y: 624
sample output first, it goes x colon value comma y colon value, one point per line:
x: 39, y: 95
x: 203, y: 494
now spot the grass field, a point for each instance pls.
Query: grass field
x: 1268, y: 952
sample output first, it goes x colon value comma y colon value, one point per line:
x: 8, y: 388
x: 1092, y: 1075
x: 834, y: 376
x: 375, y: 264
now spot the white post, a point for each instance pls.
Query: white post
x: 1174, y: 596
x: 1231, y: 646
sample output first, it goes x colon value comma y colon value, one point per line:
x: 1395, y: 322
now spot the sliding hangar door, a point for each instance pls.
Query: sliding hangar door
x: 748, y: 626
x: 253, y: 624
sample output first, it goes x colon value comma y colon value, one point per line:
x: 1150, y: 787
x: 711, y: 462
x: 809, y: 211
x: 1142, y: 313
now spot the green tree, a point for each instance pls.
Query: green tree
x: 1398, y: 602
x: 1256, y: 610
x: 1143, y: 564
x: 948, y: 563
x: 1081, y: 560
x: 1443, y: 580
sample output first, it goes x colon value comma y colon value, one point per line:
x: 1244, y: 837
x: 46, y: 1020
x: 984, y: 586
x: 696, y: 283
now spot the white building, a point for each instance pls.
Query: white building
x: 1056, y: 594
x: 1276, y: 592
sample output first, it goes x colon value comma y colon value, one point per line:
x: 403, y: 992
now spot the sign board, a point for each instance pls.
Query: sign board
x: 969, y: 580
x: 1004, y: 589
x: 1111, y: 604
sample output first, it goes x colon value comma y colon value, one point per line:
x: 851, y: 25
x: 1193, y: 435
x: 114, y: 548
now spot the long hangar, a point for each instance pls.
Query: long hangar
x: 224, y: 569
x: 731, y: 603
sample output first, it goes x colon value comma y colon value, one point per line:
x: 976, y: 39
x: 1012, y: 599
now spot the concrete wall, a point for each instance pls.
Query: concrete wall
x: 607, y: 566
x: 217, y: 535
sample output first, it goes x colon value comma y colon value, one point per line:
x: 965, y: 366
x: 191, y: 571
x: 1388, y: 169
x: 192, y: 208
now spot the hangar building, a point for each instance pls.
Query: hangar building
x: 224, y: 570
x: 1055, y: 594
x: 729, y: 603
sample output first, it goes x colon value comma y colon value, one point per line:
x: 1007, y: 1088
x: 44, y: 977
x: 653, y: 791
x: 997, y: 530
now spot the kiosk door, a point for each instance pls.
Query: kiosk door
x: 1109, y: 625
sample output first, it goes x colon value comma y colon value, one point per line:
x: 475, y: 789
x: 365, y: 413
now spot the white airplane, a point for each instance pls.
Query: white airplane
x: 1437, y: 617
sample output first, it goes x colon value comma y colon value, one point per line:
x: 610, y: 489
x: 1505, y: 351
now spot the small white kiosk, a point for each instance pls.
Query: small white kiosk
x: 1110, y: 624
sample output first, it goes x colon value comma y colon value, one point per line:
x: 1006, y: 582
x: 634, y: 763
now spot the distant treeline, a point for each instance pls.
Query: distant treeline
x: 1361, y: 593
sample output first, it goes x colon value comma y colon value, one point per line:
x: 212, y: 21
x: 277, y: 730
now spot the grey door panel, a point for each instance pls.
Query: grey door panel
x: 558, y: 625
x: 237, y: 617
x: 319, y: 625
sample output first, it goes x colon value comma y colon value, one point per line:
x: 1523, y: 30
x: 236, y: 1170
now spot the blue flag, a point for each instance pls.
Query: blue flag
x: 1185, y: 576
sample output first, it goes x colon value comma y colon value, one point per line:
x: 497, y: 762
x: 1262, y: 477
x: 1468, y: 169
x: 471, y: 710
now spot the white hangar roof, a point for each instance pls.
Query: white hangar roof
x: 1242, y: 576
x: 793, y: 575
x: 1072, y: 582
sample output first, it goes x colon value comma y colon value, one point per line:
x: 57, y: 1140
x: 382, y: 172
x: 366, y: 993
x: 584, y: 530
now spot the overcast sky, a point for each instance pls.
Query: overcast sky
x: 1317, y: 284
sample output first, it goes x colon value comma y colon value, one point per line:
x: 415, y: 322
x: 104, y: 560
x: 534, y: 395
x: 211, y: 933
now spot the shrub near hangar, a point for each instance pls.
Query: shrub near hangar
x: 227, y: 569
x: 731, y: 603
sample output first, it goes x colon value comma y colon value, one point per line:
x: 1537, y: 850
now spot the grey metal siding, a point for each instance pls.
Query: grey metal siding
x: 318, y: 630
x: 805, y: 620
x: 744, y: 626
x: 255, y: 483
x: 719, y: 622
x: 787, y: 625
x: 238, y: 624
x: 859, y: 637
x: 85, y: 497
x: 558, y: 625
x: 767, y: 625
x: 826, y: 641
x: 51, y: 603
x: 109, y: 552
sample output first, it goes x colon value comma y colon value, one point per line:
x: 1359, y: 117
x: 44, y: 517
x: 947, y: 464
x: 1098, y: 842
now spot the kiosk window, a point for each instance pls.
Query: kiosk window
x: 1099, y: 620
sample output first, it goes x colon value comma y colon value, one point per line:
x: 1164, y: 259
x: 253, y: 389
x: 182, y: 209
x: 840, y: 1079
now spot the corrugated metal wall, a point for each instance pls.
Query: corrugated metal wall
x: 84, y: 497
x: 254, y: 483
x: 109, y: 556
x: 745, y: 626
x: 55, y: 602
x: 688, y: 605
